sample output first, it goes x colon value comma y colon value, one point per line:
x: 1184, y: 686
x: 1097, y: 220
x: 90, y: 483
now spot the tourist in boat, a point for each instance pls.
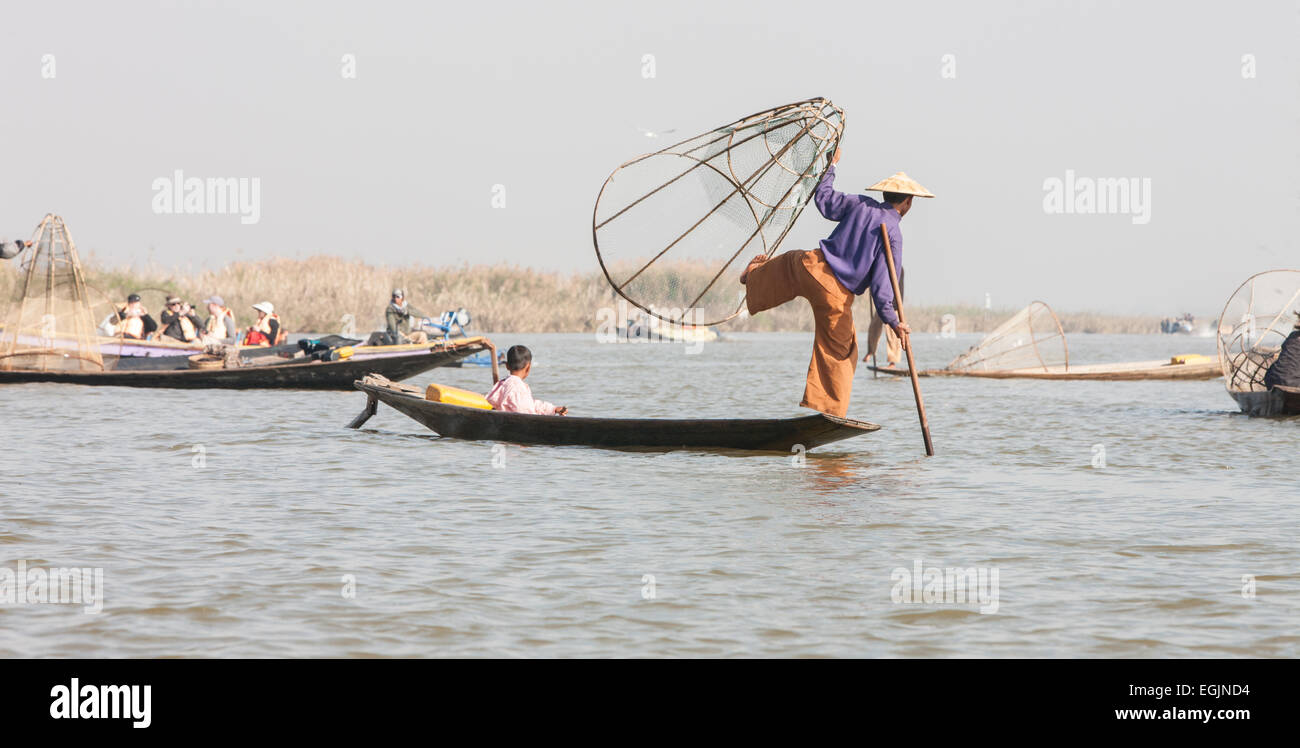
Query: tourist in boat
x: 1285, y: 370
x: 179, y: 321
x: 400, y: 319
x: 848, y: 263
x: 132, y: 320
x: 268, y: 330
x: 220, y: 327
x: 513, y: 395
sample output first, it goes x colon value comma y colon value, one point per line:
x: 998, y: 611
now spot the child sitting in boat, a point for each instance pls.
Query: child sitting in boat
x: 512, y: 394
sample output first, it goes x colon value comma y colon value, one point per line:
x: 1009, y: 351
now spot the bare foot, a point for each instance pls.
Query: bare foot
x: 744, y: 274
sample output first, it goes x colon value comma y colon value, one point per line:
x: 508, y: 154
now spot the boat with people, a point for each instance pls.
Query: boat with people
x: 475, y: 422
x: 47, y: 335
x: 267, y: 372
x: 1184, y: 325
x: 1259, y: 344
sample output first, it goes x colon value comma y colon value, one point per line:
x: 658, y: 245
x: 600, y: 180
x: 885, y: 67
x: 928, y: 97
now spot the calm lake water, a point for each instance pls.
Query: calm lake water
x: 254, y: 524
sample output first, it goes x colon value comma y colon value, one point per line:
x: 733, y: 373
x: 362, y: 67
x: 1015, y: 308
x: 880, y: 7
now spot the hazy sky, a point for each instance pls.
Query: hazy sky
x: 398, y: 164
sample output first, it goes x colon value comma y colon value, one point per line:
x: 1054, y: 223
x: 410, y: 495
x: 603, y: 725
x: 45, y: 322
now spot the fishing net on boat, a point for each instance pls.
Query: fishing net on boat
x: 673, y: 229
x: 1031, y: 340
x: 48, y: 323
x: 1255, y: 321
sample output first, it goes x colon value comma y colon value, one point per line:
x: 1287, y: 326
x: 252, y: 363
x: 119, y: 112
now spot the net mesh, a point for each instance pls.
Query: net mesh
x: 1255, y: 321
x: 1031, y: 340
x: 48, y: 324
x: 673, y: 229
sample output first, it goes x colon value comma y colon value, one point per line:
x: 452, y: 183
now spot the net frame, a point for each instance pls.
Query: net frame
x: 1037, y: 338
x: 1246, y: 351
x: 52, y: 276
x: 816, y: 111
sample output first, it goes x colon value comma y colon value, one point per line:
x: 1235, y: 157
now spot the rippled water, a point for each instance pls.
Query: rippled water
x: 226, y: 522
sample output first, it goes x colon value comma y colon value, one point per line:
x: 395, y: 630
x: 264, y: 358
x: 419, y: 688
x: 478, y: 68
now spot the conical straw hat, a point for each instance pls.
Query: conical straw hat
x: 902, y: 184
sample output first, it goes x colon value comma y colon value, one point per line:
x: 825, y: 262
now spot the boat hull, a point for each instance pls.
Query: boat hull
x: 783, y: 435
x: 1126, y: 372
x: 1278, y: 401
x: 306, y: 375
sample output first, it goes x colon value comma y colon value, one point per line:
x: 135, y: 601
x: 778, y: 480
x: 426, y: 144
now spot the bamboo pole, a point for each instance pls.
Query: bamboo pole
x: 911, y: 361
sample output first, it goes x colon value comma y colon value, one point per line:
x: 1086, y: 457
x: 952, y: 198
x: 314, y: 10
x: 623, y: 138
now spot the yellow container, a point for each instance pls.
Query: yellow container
x: 1190, y: 358
x: 441, y: 393
x: 345, y: 352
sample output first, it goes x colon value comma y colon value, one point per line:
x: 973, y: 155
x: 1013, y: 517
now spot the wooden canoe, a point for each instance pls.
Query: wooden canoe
x: 1121, y: 372
x: 291, y: 374
x: 759, y: 434
x: 1277, y: 401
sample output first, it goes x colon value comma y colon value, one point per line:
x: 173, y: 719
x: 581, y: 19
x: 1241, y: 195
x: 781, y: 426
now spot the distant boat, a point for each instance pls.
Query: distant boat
x: 650, y: 329
x: 1191, y: 366
x: 1184, y: 325
x: 1032, y: 345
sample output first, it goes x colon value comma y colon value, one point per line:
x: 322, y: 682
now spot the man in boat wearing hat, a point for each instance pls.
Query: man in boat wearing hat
x: 132, y: 320
x: 848, y: 263
x: 399, y: 319
x: 179, y: 321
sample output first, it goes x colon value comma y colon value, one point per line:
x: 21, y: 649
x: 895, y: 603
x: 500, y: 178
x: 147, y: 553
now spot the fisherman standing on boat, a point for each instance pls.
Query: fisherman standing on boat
x: 848, y: 263
x: 399, y: 318
x: 893, y: 345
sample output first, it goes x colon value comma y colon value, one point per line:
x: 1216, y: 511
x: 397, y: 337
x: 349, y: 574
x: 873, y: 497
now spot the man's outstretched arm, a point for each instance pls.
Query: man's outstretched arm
x: 833, y: 205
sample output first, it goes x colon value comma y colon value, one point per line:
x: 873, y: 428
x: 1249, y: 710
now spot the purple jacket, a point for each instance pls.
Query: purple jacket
x: 854, y: 250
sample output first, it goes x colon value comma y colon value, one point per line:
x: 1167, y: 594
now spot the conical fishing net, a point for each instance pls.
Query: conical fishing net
x: 1031, y: 339
x: 48, y: 325
x: 1255, y: 321
x: 673, y: 229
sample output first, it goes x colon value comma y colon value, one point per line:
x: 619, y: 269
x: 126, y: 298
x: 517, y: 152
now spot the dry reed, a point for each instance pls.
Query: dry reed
x: 318, y: 293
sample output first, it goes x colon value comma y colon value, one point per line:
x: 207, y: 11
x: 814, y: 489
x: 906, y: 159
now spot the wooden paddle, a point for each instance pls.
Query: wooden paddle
x: 911, y: 362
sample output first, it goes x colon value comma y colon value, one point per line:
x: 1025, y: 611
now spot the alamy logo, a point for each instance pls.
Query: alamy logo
x: 950, y: 586
x: 75, y: 586
x: 76, y: 701
x: 241, y: 196
x: 1101, y: 195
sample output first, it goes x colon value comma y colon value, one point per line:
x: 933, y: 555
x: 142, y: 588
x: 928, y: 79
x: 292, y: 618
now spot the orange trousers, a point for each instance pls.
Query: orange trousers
x: 773, y: 282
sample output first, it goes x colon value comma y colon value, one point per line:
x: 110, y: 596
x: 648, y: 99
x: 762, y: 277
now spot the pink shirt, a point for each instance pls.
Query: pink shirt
x: 513, y: 395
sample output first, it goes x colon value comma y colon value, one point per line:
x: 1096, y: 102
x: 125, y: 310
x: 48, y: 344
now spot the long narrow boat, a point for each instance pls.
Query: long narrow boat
x: 1120, y: 372
x: 461, y: 422
x: 301, y: 373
